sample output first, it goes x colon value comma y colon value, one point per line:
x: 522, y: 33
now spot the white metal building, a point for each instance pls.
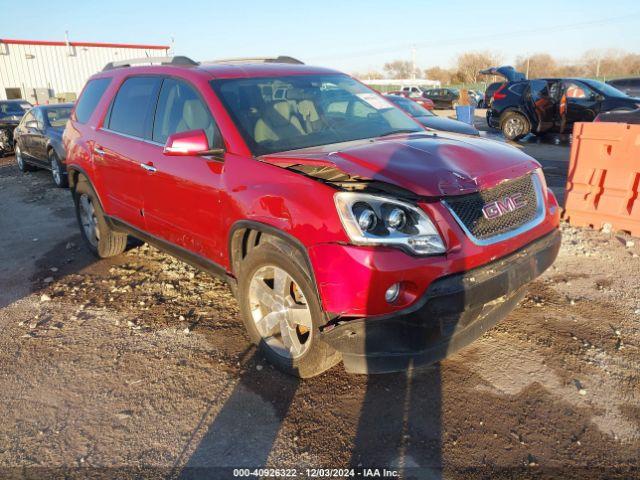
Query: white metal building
x: 47, y: 72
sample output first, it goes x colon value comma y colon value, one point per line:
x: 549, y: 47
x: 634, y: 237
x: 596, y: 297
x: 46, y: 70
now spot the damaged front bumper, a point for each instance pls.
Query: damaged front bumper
x: 454, y: 311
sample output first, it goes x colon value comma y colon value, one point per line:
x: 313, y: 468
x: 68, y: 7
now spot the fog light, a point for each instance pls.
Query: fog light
x: 392, y: 293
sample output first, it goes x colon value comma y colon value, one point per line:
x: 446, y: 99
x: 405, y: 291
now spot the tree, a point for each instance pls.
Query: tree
x: 469, y: 64
x: 401, y: 69
x: 539, y: 65
x: 370, y: 75
x: 440, y: 74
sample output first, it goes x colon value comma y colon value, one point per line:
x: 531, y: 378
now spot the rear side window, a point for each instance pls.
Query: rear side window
x: 90, y: 97
x: 180, y: 109
x: 133, y: 106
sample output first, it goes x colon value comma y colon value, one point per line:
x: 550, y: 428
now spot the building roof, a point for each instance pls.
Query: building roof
x: 9, y: 41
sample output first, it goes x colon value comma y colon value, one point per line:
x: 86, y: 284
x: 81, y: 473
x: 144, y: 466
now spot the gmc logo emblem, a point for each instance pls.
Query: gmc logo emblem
x: 499, y: 207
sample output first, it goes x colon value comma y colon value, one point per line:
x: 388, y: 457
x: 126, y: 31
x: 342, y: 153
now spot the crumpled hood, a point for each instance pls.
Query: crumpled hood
x: 430, y: 165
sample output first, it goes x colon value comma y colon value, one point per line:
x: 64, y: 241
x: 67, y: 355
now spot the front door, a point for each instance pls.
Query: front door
x: 182, y: 193
x: 121, y: 148
x: 581, y: 103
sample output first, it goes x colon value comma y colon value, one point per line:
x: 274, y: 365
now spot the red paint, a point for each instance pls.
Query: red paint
x: 186, y: 143
x: 194, y: 201
x: 82, y: 44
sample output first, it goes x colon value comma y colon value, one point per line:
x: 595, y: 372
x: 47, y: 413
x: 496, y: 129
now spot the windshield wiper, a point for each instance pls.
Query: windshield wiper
x: 395, y: 132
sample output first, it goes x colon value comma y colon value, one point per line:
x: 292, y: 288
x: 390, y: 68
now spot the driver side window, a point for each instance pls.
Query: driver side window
x: 578, y: 91
x: 180, y: 109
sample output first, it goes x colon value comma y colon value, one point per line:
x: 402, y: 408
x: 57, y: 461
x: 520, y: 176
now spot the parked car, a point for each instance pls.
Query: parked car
x: 630, y: 117
x: 345, y: 230
x: 430, y: 119
x: 11, y: 111
x: 552, y: 105
x: 424, y: 102
x: 630, y: 86
x: 445, y: 98
x: 38, y: 140
x: 488, y: 93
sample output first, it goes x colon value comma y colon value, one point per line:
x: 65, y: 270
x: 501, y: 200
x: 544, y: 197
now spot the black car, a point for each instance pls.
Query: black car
x: 38, y: 140
x: 630, y: 86
x: 552, y: 105
x: 442, y: 97
x: 11, y: 112
x: 429, y: 119
x: 630, y: 117
x: 488, y: 93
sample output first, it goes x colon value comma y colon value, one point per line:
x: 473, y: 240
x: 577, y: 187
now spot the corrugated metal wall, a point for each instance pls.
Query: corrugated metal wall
x: 59, y: 69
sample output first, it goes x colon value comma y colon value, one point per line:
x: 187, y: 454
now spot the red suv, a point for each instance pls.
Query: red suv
x: 346, y: 231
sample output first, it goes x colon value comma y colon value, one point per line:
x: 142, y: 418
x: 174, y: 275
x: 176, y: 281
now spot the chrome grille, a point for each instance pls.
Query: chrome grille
x: 468, y: 209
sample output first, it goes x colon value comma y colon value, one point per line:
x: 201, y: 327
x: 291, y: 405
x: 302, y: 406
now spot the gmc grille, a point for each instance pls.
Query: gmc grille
x: 469, y: 208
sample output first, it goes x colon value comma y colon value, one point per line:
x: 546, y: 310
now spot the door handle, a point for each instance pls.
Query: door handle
x: 98, y: 151
x: 148, y: 168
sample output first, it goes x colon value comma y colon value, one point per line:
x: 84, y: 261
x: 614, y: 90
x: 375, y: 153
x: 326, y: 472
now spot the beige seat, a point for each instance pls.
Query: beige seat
x: 195, y: 117
x: 309, y: 115
x: 277, y: 122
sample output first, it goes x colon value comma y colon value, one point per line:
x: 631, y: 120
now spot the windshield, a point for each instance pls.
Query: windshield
x: 13, y: 108
x: 287, y: 113
x: 605, y: 89
x: 411, y: 107
x: 57, y: 117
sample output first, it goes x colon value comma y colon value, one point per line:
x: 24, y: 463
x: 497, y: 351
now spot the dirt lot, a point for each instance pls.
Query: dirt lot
x: 139, y: 366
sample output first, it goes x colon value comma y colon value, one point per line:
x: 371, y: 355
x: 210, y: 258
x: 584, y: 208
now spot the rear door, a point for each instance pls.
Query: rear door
x: 122, y: 148
x: 26, y: 133
x: 182, y: 193
x: 39, y: 140
x: 540, y: 105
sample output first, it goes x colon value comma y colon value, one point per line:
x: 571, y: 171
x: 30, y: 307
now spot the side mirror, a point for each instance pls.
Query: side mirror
x: 194, y: 142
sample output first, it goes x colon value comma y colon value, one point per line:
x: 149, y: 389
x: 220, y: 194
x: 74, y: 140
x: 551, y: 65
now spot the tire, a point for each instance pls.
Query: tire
x: 22, y: 165
x: 514, y: 126
x: 99, y: 237
x: 258, y: 272
x: 57, y: 172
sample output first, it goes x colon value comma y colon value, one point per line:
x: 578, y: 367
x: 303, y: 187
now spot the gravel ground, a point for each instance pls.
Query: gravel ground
x: 139, y: 366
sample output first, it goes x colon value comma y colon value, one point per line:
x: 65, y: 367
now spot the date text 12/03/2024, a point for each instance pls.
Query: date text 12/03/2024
x: 316, y: 472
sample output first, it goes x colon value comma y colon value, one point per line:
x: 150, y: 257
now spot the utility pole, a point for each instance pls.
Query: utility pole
x: 598, y: 67
x: 413, y: 62
x: 527, y: 74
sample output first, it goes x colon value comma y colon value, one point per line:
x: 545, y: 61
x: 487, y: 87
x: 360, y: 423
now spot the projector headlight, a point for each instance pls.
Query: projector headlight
x: 377, y: 220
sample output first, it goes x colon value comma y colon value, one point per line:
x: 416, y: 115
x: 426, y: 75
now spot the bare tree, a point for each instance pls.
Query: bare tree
x: 537, y: 65
x: 469, y: 64
x: 440, y: 74
x: 400, y: 69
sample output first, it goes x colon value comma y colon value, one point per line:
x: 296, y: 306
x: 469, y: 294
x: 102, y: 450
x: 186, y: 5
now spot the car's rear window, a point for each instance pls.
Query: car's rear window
x: 132, y: 106
x: 90, y: 97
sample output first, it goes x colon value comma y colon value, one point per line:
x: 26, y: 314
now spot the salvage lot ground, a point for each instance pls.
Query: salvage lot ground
x: 141, y: 362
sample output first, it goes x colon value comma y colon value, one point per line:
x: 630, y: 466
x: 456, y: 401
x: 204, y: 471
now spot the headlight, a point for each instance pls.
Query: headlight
x: 376, y: 220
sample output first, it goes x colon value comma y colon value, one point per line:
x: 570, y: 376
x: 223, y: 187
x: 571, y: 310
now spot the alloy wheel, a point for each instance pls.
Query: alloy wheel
x: 55, y: 170
x: 513, y: 127
x: 280, y: 312
x: 19, y: 159
x: 88, y: 219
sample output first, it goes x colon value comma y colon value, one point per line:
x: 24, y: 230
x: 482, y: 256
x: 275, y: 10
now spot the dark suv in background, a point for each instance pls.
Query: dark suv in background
x: 552, y: 105
x: 630, y: 86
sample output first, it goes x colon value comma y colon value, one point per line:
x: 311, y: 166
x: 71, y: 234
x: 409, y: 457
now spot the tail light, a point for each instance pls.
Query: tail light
x: 499, y: 95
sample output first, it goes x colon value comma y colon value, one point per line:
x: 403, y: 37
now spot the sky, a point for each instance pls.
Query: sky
x: 352, y: 36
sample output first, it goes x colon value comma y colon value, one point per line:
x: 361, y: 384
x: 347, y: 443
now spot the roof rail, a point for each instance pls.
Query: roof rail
x: 278, y: 59
x: 178, y: 60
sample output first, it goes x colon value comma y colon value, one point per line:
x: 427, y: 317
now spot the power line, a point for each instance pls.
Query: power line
x: 530, y: 31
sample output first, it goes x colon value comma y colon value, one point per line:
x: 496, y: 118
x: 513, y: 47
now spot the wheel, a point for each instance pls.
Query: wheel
x: 100, y: 238
x: 514, y: 126
x: 22, y: 165
x: 57, y: 172
x: 281, y: 310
